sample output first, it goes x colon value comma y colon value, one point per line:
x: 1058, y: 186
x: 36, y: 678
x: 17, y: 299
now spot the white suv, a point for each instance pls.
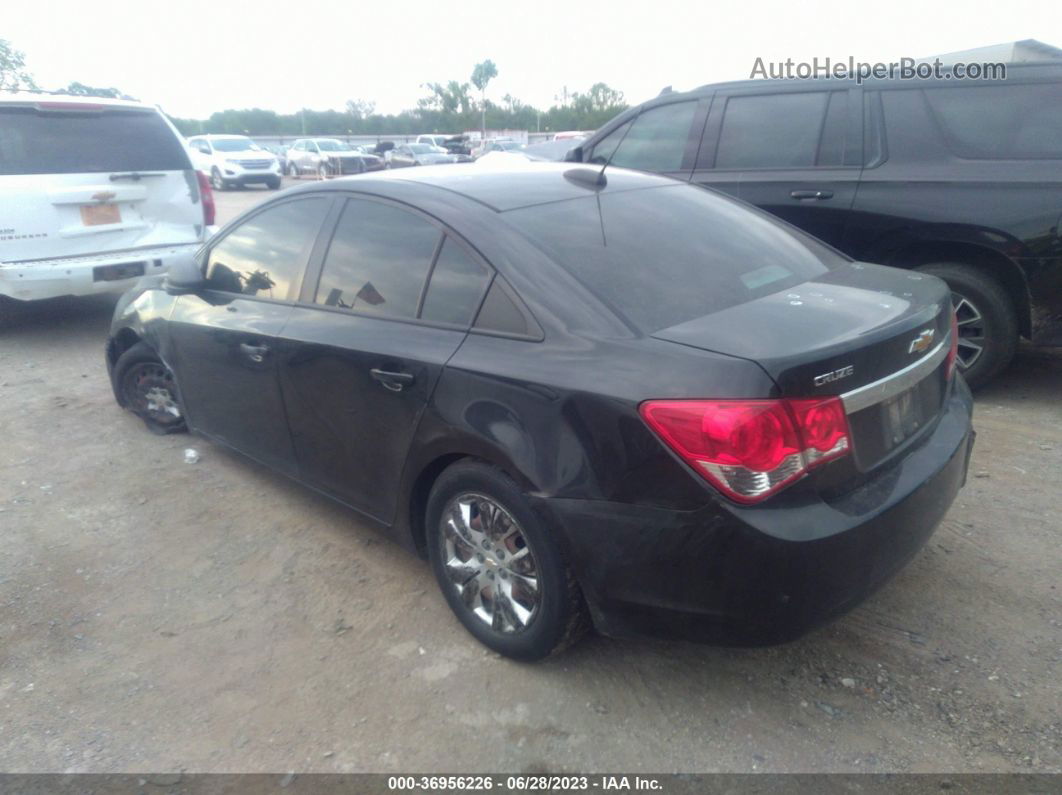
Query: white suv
x: 94, y: 193
x: 234, y: 160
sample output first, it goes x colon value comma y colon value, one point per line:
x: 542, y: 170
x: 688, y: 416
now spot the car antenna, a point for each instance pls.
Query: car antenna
x: 587, y: 177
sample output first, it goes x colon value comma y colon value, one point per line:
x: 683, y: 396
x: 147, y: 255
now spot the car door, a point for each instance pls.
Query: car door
x: 796, y: 154
x: 662, y: 139
x: 401, y: 157
x: 223, y: 337
x: 363, y: 349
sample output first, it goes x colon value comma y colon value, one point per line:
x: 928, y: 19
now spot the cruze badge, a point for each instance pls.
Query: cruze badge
x: 921, y: 342
x: 835, y: 375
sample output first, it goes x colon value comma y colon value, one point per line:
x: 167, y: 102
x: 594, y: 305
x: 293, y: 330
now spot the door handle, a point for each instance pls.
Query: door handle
x: 395, y: 382
x: 256, y: 353
x: 811, y: 194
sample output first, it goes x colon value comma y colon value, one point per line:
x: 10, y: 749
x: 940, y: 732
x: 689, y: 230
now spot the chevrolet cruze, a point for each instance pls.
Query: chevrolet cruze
x: 590, y: 397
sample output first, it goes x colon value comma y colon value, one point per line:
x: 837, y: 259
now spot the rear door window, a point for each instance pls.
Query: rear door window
x: 46, y: 141
x: 1001, y: 121
x: 666, y: 255
x: 774, y: 131
x: 655, y: 141
x: 378, y: 260
x: 265, y: 255
x: 456, y: 286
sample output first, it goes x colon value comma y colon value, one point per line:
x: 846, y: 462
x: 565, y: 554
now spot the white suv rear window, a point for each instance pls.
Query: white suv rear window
x: 34, y: 141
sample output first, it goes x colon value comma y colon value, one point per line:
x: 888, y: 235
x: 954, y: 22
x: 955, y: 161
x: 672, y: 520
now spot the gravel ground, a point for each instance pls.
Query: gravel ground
x: 163, y: 616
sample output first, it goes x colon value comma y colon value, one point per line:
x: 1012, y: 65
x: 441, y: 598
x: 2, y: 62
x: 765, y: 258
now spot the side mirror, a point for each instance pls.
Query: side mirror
x: 184, y: 275
x: 574, y: 155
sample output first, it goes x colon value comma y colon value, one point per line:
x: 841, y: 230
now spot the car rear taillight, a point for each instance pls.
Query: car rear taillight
x: 953, y: 349
x: 206, y: 193
x: 751, y: 449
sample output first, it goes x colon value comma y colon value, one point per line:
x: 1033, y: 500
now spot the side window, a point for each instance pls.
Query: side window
x: 456, y: 286
x: 377, y: 260
x: 1000, y: 121
x: 656, y: 141
x: 501, y: 313
x: 265, y: 254
x: 771, y: 131
x: 834, y: 130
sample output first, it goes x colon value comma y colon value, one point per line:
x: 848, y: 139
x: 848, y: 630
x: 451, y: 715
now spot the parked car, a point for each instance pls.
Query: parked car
x: 280, y: 153
x: 234, y: 161
x: 957, y: 178
x: 405, y: 155
x: 496, y: 145
x: 94, y: 194
x: 624, y: 399
x: 458, y: 145
x: 329, y: 157
x: 555, y: 150
x: 433, y: 140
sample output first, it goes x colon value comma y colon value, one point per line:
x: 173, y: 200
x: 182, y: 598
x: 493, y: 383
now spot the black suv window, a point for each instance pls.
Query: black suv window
x: 1008, y: 121
x: 456, y: 286
x: 377, y: 260
x: 265, y: 254
x: 656, y: 140
x: 54, y: 141
x: 775, y: 131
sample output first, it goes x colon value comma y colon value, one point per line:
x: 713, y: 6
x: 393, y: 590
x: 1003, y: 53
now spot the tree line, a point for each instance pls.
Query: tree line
x: 449, y: 107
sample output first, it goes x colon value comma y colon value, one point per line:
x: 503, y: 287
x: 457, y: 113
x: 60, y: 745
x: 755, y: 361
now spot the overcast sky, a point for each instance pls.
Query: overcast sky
x: 197, y: 57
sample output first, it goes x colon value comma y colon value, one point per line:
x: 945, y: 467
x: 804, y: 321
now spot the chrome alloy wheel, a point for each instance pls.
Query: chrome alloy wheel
x: 971, y: 330
x: 489, y: 563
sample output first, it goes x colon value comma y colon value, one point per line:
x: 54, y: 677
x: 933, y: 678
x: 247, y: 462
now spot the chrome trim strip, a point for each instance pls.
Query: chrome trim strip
x: 894, y: 384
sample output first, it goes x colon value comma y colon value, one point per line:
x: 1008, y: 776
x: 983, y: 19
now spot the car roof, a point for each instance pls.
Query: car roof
x: 507, y: 187
x: 220, y: 136
x: 48, y: 99
x: 1026, y: 69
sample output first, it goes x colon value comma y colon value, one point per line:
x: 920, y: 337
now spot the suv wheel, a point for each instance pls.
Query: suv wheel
x: 499, y: 569
x: 274, y: 184
x: 146, y: 387
x: 217, y: 182
x: 322, y: 171
x: 987, y: 320
x: 293, y: 171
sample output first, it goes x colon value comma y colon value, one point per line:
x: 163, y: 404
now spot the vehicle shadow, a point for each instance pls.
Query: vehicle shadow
x: 66, y: 315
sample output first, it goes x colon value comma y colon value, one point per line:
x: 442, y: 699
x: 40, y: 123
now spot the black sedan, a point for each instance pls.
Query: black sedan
x: 610, y: 399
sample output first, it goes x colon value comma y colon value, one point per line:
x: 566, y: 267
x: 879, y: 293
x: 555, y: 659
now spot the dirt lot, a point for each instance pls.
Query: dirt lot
x: 159, y: 616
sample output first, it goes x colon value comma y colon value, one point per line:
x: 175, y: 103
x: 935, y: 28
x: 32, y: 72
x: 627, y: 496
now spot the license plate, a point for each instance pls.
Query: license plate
x: 903, y: 416
x: 114, y: 273
x: 100, y: 214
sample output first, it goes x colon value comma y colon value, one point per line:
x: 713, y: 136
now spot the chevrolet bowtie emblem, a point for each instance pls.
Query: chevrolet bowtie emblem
x: 921, y: 342
x: 104, y: 195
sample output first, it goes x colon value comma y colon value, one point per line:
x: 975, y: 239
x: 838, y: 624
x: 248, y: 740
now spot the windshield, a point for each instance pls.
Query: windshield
x: 329, y: 145
x: 662, y: 256
x: 234, y: 145
x: 421, y: 149
x: 510, y: 146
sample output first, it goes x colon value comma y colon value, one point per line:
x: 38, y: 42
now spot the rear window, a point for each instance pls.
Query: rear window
x: 57, y: 142
x: 1008, y: 121
x: 662, y: 256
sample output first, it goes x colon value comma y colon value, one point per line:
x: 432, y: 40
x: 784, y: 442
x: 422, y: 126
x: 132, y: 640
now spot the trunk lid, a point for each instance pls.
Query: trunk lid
x: 88, y: 179
x: 875, y: 335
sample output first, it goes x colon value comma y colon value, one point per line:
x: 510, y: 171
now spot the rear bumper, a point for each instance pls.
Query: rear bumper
x: 32, y: 281
x: 768, y: 574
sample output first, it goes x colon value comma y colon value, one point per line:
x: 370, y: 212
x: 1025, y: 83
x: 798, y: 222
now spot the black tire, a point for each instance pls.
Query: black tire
x: 988, y: 320
x: 139, y: 371
x: 323, y: 171
x: 274, y: 184
x: 217, y: 182
x: 559, y: 618
x: 293, y: 171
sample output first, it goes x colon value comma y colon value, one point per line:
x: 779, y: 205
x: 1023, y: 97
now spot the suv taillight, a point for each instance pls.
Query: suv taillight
x: 953, y: 349
x: 751, y: 449
x: 206, y: 193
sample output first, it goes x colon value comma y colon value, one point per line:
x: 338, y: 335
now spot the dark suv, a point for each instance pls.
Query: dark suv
x: 958, y: 178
